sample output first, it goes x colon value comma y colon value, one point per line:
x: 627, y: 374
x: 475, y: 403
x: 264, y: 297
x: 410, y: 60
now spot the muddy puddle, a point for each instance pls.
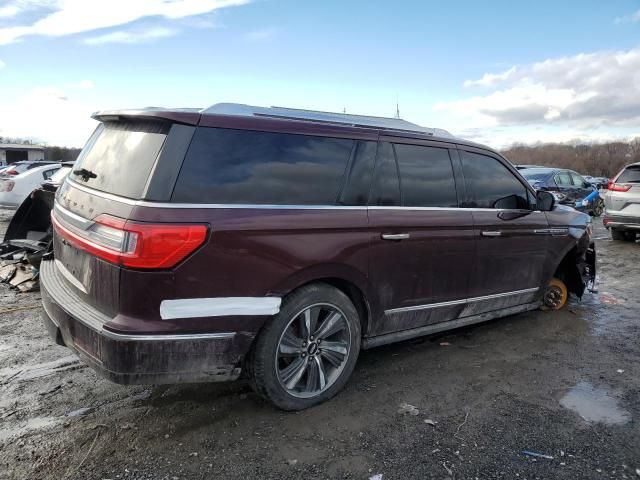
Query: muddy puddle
x: 595, y: 405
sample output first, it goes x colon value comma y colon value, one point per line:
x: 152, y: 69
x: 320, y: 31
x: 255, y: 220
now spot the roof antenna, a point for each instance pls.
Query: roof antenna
x: 397, y: 108
x: 344, y: 109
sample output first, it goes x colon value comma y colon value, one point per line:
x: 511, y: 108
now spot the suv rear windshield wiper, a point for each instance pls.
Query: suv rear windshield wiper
x: 84, y: 174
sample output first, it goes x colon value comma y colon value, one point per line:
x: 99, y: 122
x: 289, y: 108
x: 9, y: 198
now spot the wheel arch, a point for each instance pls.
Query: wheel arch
x: 347, y: 279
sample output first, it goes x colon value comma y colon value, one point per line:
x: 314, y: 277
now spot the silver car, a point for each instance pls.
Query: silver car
x: 622, y: 204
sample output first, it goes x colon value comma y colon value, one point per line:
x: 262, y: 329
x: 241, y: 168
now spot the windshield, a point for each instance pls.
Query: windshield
x: 119, y: 157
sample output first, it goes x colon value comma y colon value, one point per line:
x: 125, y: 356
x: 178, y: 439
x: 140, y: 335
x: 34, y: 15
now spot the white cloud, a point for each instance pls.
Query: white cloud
x: 48, y: 114
x: 489, y: 79
x: 77, y: 16
x: 587, y: 93
x: 9, y: 11
x: 2, y: 64
x: 141, y: 36
x: 632, y: 18
x: 262, y: 34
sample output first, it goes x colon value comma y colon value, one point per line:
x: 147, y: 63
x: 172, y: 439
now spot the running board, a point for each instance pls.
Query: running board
x: 443, y: 326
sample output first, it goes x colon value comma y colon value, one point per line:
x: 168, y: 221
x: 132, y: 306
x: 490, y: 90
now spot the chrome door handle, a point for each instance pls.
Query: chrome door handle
x: 395, y: 236
x: 490, y: 234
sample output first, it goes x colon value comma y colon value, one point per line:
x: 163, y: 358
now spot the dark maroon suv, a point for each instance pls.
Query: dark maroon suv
x: 197, y: 245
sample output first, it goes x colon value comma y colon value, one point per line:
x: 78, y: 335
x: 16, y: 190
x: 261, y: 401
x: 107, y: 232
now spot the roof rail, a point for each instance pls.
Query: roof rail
x: 397, y: 124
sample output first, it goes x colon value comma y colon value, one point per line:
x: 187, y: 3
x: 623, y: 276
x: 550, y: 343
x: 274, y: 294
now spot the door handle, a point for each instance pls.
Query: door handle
x: 491, y: 234
x: 395, y: 236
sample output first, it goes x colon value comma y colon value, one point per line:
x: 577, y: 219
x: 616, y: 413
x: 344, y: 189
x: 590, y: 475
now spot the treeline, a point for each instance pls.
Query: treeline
x: 598, y: 160
x: 51, y: 152
x: 61, y: 153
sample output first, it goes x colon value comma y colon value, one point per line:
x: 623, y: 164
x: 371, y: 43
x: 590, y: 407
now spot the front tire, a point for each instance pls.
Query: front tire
x: 598, y: 208
x: 555, y: 295
x: 306, y: 353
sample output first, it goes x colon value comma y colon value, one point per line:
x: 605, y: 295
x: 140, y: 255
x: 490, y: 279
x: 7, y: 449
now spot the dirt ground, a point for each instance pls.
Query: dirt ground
x: 562, y: 384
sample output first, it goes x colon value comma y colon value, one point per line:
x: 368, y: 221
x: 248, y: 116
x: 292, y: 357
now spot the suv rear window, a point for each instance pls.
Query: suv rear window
x: 629, y: 175
x: 121, y: 156
x: 226, y: 166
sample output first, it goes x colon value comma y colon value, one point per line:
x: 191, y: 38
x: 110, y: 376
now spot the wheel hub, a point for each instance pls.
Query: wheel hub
x: 313, y: 350
x: 553, y: 297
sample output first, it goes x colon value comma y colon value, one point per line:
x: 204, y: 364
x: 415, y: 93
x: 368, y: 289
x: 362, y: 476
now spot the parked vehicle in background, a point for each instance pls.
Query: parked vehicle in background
x: 22, y: 166
x: 568, y: 187
x: 622, y: 204
x: 599, y: 183
x: 32, y: 219
x: 522, y: 167
x: 279, y: 242
x: 15, y: 187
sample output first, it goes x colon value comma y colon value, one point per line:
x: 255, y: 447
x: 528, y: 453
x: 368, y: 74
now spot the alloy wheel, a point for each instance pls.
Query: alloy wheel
x: 313, y: 350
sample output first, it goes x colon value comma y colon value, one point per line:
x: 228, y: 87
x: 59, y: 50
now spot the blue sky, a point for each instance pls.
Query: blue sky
x: 498, y: 72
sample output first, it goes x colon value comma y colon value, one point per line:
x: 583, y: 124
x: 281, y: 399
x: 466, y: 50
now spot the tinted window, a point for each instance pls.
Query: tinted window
x: 246, y: 167
x: 119, y: 156
x: 491, y: 184
x: 563, y: 179
x: 426, y: 176
x: 358, y: 181
x: 629, y: 175
x: 386, y: 187
x: 48, y: 173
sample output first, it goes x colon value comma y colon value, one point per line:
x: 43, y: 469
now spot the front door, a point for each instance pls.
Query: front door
x: 422, y: 244
x: 511, y: 237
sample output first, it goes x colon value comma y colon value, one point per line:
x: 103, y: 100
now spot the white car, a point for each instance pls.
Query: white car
x: 15, y: 189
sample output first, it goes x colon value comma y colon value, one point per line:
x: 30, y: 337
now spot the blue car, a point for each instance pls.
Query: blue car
x: 569, y: 188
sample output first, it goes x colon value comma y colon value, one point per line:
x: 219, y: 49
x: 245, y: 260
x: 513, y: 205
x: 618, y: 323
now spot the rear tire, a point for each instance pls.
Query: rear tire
x: 306, y: 353
x: 623, y: 235
x: 617, y: 234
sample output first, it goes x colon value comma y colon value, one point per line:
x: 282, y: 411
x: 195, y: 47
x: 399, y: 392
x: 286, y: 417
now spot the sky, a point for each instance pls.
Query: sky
x: 497, y: 72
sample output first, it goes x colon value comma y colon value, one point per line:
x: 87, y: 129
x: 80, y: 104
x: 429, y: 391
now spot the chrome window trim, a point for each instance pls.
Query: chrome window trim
x: 227, y: 206
x: 460, y: 302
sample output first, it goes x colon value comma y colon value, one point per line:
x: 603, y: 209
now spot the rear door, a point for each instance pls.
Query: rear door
x: 422, y: 244
x: 511, y: 238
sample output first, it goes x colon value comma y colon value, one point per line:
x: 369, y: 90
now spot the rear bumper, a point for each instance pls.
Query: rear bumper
x: 137, y: 359
x: 621, y: 222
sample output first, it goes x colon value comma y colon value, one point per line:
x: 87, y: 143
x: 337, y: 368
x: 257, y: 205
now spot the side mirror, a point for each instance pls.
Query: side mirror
x: 544, y: 201
x: 588, y: 185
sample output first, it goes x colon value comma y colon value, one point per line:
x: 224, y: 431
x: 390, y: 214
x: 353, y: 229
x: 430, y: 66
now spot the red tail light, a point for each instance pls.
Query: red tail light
x: 11, y: 172
x: 7, y: 186
x: 133, y: 244
x: 618, y: 187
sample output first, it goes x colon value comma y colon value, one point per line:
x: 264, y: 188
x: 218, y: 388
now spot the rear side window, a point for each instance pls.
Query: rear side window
x: 491, y: 184
x: 119, y: 156
x: 386, y: 186
x: 226, y: 166
x: 577, y: 180
x: 629, y: 175
x: 426, y: 176
x: 563, y: 179
x: 358, y: 178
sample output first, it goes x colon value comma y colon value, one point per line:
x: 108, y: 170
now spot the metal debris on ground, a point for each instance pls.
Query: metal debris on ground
x: 406, y: 408
x: 20, y: 262
x: 538, y: 455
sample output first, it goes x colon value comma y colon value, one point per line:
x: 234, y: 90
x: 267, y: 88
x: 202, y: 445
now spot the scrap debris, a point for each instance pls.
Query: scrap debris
x: 20, y: 262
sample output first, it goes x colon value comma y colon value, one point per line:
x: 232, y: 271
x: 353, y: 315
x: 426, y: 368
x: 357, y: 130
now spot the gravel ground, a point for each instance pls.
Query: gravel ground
x: 563, y: 384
